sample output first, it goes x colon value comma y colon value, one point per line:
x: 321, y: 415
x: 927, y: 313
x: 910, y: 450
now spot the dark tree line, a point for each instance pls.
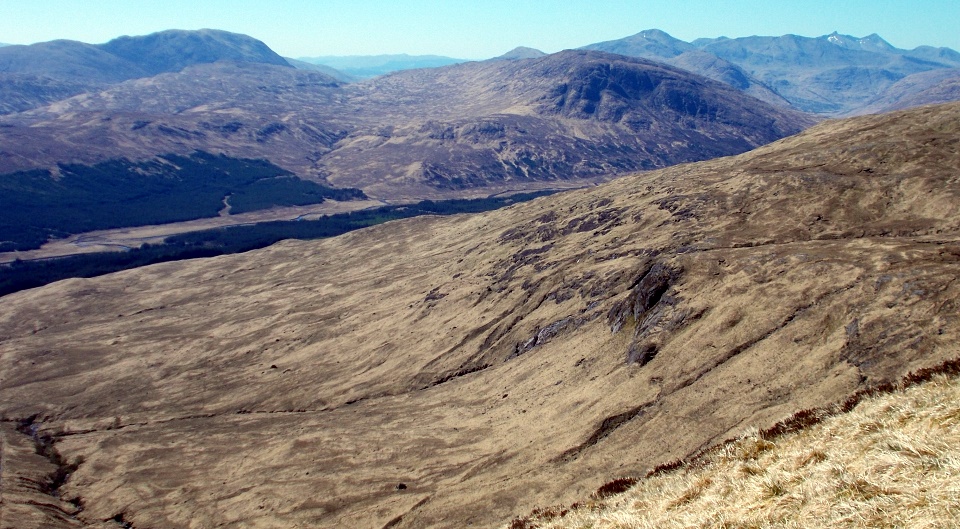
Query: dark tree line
x: 35, y: 205
x: 21, y: 275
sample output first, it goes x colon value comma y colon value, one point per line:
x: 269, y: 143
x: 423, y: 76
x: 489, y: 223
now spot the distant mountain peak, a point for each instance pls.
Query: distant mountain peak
x: 871, y: 42
x: 649, y: 43
x: 655, y: 33
x: 876, y: 41
x: 174, y: 49
x: 522, y: 52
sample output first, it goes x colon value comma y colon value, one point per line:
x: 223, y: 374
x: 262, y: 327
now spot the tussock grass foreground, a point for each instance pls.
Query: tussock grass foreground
x: 891, y: 461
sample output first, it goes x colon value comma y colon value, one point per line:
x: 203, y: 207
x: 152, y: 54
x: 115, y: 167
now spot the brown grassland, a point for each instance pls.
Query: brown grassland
x: 891, y: 461
x: 497, y: 362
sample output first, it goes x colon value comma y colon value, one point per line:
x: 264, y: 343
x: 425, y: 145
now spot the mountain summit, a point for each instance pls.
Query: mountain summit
x: 650, y: 44
x: 872, y: 42
x: 38, y: 74
x: 522, y: 52
x: 174, y: 50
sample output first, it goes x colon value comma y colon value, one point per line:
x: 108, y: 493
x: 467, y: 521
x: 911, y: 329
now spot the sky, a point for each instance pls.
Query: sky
x: 476, y: 29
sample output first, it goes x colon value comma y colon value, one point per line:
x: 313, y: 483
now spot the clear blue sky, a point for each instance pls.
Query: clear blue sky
x: 475, y: 29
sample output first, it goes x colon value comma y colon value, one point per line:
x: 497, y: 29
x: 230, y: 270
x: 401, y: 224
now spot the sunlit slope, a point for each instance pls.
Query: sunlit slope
x: 892, y: 461
x: 497, y: 362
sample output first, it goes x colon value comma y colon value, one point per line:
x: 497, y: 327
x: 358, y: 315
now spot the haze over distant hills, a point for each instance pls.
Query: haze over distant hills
x: 832, y: 74
x: 367, y: 66
x: 332, y: 72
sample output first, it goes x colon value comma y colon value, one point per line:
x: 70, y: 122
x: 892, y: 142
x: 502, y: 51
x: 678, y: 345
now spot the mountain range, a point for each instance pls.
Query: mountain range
x: 521, y: 121
x: 555, y: 121
x: 832, y: 74
x: 456, y: 371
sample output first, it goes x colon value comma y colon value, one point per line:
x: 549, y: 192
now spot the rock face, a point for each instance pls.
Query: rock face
x: 566, y: 119
x: 832, y: 75
x: 495, y: 362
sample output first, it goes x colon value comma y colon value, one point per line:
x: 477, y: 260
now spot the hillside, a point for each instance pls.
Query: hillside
x: 564, y: 120
x: 463, y: 370
x: 925, y: 88
x: 892, y: 461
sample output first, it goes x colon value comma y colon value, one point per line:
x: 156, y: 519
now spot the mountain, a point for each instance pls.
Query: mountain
x: 522, y: 52
x: 834, y: 74
x: 872, y: 43
x: 455, y: 371
x: 650, y: 44
x: 485, y: 127
x: 940, y: 55
x: 43, y: 73
x: 39, y: 74
x: 20, y: 92
x: 713, y: 67
x: 570, y: 115
x: 174, y: 50
x: 367, y: 66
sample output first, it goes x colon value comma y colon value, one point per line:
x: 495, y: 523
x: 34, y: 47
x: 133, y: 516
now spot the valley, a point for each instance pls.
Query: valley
x: 449, y: 296
x: 463, y: 370
x: 134, y: 237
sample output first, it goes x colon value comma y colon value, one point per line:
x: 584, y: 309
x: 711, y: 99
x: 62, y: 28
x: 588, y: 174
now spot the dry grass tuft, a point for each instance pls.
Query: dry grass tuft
x: 891, y: 459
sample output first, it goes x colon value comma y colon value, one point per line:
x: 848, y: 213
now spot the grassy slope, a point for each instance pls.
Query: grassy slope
x: 472, y: 358
x: 892, y: 461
